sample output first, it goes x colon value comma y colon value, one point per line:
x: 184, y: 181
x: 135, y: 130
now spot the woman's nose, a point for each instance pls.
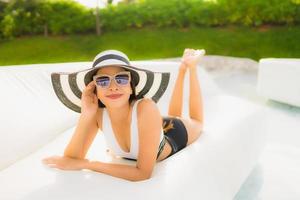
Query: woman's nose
x: 113, y: 85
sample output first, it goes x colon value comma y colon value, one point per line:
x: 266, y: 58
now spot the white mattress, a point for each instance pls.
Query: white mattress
x: 214, y: 167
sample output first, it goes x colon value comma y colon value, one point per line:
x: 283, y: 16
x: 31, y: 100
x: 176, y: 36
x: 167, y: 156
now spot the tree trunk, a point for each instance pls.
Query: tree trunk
x: 98, y: 28
x: 46, y: 30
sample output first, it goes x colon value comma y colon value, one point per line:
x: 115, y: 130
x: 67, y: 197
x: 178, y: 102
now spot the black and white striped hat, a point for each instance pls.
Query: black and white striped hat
x: 69, y: 86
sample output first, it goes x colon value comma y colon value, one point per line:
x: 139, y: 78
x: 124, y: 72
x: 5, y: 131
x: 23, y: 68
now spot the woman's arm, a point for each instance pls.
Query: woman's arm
x: 128, y: 172
x: 149, y: 127
x: 82, y: 138
x: 87, y: 126
x: 74, y: 154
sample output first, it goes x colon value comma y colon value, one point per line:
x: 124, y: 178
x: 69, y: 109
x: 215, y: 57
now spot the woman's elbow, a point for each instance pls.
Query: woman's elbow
x: 141, y: 179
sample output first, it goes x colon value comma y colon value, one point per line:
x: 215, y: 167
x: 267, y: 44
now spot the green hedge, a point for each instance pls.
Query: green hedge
x: 23, y: 17
x: 69, y: 17
x: 181, y: 13
x: 257, y: 12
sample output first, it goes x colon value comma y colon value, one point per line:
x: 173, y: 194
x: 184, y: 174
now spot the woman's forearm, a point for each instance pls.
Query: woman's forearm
x: 77, y: 145
x: 131, y: 173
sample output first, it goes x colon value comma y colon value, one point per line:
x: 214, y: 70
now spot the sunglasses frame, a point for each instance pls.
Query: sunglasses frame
x: 112, y: 77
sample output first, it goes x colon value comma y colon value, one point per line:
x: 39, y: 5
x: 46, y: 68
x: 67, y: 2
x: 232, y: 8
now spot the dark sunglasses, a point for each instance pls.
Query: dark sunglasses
x: 104, y: 80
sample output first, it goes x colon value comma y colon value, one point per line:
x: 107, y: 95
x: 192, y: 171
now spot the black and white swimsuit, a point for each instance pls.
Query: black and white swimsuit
x: 113, y: 144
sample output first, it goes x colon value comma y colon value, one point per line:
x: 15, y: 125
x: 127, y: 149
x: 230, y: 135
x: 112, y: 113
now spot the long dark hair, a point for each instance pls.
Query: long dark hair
x: 132, y: 96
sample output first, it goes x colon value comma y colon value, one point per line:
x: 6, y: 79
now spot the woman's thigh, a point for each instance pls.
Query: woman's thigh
x: 194, y: 128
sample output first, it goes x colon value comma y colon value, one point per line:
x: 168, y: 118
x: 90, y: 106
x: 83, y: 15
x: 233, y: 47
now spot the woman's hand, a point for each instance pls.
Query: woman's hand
x: 192, y: 57
x: 89, y: 100
x: 65, y: 163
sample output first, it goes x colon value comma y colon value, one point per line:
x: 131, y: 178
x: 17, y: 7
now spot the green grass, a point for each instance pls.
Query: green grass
x: 151, y: 43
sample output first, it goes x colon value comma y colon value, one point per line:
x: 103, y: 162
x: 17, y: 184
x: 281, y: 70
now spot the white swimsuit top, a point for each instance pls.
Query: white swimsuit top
x: 111, y: 140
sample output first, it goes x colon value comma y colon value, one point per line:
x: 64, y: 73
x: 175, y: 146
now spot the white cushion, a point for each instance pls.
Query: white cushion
x: 214, y: 167
x: 279, y: 80
x: 31, y: 114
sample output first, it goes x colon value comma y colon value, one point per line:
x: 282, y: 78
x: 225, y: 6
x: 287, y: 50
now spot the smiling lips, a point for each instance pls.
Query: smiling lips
x: 114, y: 96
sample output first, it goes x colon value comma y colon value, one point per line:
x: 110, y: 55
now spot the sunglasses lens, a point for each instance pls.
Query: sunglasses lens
x: 122, y: 79
x: 103, y: 81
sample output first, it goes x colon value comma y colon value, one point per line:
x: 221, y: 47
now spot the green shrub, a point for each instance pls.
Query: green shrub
x: 69, y: 17
x: 181, y: 13
x: 23, y: 17
x: 257, y: 12
x: 8, y: 26
x: 2, y: 8
x: 60, y: 16
x: 20, y: 18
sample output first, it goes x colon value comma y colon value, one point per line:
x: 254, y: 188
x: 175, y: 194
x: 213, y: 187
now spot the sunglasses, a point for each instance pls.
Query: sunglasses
x: 104, y: 80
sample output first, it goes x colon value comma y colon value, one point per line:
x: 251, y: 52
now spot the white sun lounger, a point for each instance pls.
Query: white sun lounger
x: 34, y: 124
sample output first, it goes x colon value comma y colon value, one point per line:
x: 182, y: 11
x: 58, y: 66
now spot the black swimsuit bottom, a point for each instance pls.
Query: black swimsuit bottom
x: 175, y: 133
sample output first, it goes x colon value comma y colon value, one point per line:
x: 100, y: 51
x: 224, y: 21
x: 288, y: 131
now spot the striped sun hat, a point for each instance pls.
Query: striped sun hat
x: 68, y: 86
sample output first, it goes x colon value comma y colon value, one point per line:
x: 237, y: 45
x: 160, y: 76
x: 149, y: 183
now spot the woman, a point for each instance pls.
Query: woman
x: 134, y: 127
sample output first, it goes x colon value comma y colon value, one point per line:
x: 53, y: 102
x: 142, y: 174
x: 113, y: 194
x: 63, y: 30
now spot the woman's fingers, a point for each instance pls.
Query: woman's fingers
x: 89, y: 89
x: 91, y: 85
x: 47, y: 160
x: 51, y: 158
x: 95, y: 99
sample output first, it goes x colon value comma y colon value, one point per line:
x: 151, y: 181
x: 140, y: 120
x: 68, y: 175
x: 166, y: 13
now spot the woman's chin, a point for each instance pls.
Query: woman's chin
x: 116, y: 103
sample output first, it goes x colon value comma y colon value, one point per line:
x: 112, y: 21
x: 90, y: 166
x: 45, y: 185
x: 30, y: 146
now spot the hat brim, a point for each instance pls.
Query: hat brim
x: 68, y: 86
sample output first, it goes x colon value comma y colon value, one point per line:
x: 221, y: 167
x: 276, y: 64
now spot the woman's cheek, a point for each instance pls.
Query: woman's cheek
x: 129, y: 90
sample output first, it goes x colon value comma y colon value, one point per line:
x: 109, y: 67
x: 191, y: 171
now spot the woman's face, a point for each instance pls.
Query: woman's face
x: 113, y: 88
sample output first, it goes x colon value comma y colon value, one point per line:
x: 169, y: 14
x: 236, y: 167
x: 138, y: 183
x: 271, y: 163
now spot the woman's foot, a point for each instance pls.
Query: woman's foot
x: 191, y: 58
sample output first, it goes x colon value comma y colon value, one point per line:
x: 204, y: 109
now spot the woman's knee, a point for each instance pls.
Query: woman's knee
x: 194, y: 129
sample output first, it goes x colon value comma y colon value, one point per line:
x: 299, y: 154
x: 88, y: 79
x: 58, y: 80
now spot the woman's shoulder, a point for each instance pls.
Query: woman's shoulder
x: 146, y: 106
x: 145, y: 103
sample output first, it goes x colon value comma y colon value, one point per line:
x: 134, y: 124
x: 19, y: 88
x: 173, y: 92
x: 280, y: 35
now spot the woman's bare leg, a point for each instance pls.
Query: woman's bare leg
x: 175, y: 105
x: 195, y: 97
x: 194, y: 124
x: 195, y: 104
